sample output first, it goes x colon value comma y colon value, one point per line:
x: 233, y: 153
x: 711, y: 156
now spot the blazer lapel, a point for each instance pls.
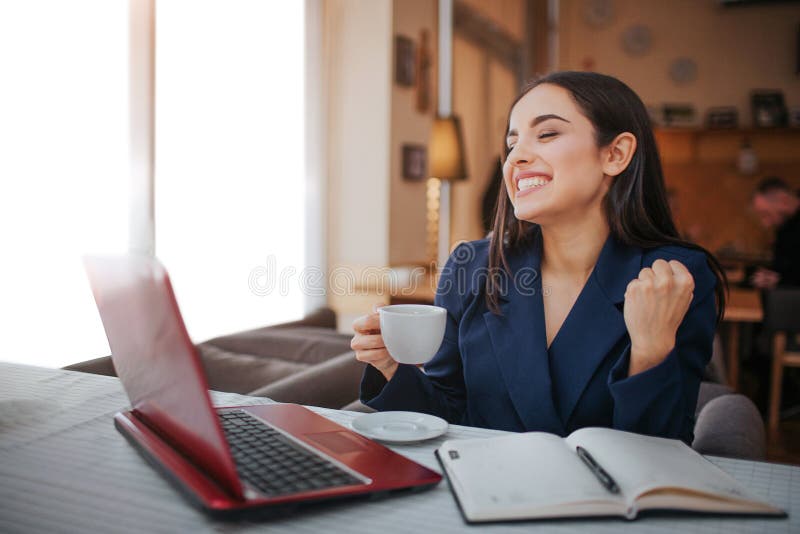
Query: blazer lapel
x: 519, y: 342
x: 594, y: 326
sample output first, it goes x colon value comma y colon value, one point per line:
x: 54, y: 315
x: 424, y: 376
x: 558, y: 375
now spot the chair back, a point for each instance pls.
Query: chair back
x: 729, y: 425
x: 782, y: 310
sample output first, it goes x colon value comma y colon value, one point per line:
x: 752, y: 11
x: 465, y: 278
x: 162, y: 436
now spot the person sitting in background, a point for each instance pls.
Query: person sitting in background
x: 777, y: 206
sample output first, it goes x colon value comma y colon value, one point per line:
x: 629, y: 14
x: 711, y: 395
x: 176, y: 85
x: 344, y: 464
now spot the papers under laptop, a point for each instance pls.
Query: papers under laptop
x: 230, y: 460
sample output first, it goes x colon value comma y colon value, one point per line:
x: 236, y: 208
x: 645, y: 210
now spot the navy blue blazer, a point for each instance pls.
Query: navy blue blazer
x: 495, y: 371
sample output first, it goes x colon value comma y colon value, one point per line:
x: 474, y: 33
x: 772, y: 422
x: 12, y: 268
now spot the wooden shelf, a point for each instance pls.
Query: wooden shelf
x: 709, y: 145
x: 692, y: 130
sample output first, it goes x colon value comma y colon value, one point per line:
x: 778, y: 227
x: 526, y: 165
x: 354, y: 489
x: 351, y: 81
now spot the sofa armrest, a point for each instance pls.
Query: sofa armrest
x: 98, y: 366
x: 330, y: 384
x: 321, y: 317
x: 302, y: 342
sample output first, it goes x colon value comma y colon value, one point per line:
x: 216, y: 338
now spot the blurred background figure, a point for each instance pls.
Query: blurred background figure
x: 694, y: 233
x: 777, y: 207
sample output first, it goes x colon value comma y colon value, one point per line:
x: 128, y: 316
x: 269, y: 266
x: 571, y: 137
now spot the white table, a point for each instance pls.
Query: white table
x: 64, y: 468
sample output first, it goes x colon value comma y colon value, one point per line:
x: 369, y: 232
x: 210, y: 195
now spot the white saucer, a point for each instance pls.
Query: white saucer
x: 399, y: 427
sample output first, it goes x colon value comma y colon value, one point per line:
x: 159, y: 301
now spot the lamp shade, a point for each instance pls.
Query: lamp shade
x: 446, y: 150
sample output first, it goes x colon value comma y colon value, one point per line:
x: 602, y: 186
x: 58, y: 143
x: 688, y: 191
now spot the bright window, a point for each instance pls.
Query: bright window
x: 63, y: 171
x: 230, y: 154
x: 230, y: 160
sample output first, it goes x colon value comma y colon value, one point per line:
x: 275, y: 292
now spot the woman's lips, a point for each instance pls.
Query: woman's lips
x: 530, y: 182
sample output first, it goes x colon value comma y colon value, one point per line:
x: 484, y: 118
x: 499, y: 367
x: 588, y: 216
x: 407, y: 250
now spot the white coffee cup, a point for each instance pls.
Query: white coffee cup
x: 412, y: 333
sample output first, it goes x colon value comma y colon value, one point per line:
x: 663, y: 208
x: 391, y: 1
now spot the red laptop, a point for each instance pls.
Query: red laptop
x: 234, y: 460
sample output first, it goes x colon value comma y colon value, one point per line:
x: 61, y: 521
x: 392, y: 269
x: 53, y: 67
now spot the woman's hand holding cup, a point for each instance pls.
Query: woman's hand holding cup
x: 369, y: 346
x: 402, y: 333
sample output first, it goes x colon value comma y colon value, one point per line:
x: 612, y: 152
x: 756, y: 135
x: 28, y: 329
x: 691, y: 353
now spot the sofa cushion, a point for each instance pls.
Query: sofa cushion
x: 300, y: 344
x: 330, y: 384
x: 241, y: 372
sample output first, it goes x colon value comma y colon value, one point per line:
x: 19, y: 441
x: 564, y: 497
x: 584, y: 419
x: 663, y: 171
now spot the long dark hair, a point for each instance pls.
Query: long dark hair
x: 635, y: 205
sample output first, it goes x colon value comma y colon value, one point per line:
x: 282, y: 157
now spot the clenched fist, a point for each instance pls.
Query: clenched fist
x: 655, y: 304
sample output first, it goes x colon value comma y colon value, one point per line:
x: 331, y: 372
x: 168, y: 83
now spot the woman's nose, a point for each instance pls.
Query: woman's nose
x: 520, y: 155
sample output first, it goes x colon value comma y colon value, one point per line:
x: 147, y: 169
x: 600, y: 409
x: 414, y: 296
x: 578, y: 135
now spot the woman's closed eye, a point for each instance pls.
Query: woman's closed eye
x: 543, y: 135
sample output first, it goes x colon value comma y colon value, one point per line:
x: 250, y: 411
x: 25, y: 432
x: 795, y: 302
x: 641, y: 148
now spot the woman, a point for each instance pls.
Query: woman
x: 584, y: 307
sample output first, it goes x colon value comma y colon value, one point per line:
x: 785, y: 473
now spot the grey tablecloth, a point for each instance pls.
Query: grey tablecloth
x: 64, y: 468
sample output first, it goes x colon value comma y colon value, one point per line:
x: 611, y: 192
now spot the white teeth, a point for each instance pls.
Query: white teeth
x: 527, y: 183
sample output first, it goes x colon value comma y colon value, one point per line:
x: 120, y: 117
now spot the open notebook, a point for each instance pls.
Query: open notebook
x: 537, y: 475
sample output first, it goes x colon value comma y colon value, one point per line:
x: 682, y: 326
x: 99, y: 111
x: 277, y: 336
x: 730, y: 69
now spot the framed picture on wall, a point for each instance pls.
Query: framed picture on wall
x: 769, y: 109
x: 405, y: 64
x: 415, y: 162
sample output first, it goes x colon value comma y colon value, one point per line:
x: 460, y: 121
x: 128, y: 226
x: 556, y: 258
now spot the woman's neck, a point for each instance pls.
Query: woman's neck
x: 572, y: 249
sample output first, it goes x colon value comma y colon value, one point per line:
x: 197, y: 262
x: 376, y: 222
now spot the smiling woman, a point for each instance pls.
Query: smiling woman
x: 598, y: 134
x: 615, y: 327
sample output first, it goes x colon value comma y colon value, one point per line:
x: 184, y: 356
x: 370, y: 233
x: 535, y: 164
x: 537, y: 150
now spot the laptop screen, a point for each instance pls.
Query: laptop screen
x: 157, y: 362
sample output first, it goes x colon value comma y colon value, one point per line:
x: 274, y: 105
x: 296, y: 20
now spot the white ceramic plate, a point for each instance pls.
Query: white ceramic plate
x: 399, y: 427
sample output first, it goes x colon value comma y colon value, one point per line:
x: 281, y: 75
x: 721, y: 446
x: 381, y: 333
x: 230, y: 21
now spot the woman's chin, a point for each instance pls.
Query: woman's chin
x: 527, y: 214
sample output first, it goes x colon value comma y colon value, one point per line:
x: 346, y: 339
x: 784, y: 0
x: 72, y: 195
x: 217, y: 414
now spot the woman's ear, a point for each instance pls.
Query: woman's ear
x: 617, y: 155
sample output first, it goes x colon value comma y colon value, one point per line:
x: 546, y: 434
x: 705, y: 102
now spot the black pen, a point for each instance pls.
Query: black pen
x: 604, y: 478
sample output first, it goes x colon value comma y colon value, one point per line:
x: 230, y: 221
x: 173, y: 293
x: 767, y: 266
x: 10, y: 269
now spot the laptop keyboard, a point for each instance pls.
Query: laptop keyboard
x: 273, y: 464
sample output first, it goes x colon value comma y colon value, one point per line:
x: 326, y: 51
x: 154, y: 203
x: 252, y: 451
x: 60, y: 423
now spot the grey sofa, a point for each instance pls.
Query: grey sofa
x: 304, y: 362
x: 309, y: 362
